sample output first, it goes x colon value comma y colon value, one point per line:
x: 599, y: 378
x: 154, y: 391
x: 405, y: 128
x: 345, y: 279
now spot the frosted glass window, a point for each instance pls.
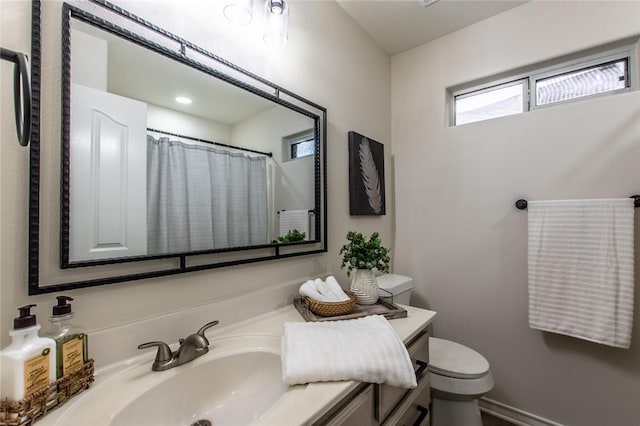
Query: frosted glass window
x: 604, y: 73
x: 590, y: 81
x: 498, y: 101
x: 303, y: 148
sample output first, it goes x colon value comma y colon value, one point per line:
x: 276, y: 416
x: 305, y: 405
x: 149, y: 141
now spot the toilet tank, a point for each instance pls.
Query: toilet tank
x: 397, y: 287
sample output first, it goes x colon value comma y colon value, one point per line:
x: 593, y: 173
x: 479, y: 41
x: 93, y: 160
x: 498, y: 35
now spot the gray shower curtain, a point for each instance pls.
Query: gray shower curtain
x: 203, y: 198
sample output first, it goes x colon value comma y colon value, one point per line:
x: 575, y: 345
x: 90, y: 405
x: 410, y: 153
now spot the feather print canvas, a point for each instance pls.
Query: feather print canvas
x: 366, y: 176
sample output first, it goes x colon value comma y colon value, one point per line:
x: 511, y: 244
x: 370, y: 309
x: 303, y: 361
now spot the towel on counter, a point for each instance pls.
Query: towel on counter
x: 365, y: 349
x: 581, y: 269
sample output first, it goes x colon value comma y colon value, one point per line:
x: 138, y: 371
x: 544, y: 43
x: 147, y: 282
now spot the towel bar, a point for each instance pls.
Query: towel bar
x: 521, y: 204
x: 21, y: 86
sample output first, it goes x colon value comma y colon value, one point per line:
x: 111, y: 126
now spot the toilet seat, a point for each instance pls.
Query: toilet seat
x: 454, y: 360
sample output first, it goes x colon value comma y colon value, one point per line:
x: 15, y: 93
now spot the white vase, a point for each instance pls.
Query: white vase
x: 365, y: 286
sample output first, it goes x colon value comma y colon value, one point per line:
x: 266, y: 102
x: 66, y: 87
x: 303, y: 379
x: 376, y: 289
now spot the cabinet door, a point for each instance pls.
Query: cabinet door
x: 388, y: 397
x: 357, y: 412
x: 414, y: 410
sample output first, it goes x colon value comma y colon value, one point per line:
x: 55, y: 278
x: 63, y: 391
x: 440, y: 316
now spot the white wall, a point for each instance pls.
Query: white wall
x: 457, y: 231
x: 173, y: 121
x: 335, y: 65
x: 293, y: 180
x: 90, y: 56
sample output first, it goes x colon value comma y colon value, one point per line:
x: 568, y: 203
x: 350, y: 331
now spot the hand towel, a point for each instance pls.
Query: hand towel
x: 294, y: 219
x: 309, y: 289
x: 336, y: 289
x: 365, y: 349
x: 581, y: 269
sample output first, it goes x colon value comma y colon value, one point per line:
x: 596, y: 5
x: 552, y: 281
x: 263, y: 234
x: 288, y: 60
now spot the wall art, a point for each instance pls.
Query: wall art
x: 366, y: 176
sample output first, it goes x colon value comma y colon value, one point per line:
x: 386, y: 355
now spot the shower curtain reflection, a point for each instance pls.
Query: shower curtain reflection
x: 203, y: 198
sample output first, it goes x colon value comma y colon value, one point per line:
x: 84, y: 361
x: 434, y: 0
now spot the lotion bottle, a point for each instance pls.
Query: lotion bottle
x: 71, y: 342
x: 27, y: 365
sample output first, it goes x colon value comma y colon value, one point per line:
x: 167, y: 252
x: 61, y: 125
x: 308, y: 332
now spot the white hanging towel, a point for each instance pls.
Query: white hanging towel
x: 294, y: 219
x: 366, y: 349
x: 581, y: 266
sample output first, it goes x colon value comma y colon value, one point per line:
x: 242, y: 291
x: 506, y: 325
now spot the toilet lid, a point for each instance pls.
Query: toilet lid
x: 455, y: 360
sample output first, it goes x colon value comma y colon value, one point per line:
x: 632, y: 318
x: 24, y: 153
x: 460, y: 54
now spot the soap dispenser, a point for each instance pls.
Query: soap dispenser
x: 71, y: 342
x: 27, y: 365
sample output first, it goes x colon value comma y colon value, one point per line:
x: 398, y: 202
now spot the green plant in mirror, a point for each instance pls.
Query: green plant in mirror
x: 360, y: 253
x: 292, y: 236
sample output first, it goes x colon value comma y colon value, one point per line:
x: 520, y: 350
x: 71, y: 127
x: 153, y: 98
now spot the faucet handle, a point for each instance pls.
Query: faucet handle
x: 206, y: 327
x: 164, y: 353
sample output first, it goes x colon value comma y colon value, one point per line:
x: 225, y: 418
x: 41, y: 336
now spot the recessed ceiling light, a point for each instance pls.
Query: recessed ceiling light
x: 183, y: 100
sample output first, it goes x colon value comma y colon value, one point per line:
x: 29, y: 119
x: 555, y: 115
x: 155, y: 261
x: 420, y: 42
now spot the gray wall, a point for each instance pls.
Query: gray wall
x: 457, y: 231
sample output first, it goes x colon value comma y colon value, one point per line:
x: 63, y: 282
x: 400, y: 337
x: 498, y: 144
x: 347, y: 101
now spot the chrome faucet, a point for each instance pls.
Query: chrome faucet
x: 192, y: 347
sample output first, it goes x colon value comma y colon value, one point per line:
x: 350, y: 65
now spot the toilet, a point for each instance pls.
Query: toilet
x: 459, y: 375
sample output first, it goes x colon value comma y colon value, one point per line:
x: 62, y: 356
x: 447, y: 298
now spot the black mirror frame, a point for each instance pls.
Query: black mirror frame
x: 68, y: 11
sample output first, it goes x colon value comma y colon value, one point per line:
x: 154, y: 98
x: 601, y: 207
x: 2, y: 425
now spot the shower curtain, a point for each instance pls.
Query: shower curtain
x: 203, y: 198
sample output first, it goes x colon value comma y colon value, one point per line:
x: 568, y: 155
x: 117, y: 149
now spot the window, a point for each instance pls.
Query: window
x: 493, y: 102
x: 606, y: 73
x: 601, y: 78
x: 303, y: 148
x: 299, y: 145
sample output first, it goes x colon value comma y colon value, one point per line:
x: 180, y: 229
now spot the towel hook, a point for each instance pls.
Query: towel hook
x: 22, y: 109
x: 521, y: 204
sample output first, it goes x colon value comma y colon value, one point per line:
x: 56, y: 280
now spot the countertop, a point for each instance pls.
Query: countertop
x: 299, y: 405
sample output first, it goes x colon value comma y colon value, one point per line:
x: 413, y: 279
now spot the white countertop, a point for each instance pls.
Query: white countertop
x: 299, y: 405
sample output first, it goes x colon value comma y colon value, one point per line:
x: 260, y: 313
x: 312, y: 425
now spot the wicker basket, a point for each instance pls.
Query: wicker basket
x: 26, y: 411
x: 329, y: 309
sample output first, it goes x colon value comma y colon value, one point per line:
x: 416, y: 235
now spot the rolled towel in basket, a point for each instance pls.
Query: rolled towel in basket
x: 309, y: 289
x: 336, y: 289
x: 329, y: 292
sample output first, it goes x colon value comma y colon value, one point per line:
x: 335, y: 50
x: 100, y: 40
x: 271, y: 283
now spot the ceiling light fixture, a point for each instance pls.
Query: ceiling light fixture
x: 239, y: 11
x: 276, y: 18
x: 277, y: 22
x: 183, y: 100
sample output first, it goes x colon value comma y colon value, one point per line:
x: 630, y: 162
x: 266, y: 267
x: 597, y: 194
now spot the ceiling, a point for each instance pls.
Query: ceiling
x: 399, y: 25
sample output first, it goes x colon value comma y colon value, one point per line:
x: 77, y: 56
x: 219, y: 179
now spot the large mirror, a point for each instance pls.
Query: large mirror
x: 172, y: 153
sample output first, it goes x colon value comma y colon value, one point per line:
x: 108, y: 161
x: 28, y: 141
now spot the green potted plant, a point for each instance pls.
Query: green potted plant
x: 362, y: 256
x: 292, y: 236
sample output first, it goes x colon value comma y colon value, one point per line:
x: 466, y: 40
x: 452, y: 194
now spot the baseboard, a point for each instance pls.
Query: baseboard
x: 513, y: 415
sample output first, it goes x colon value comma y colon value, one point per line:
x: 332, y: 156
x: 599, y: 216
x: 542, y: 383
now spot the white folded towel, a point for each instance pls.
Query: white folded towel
x: 581, y: 269
x: 366, y: 349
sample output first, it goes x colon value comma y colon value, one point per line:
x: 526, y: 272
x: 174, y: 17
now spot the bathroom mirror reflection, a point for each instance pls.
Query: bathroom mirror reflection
x: 171, y: 154
x: 166, y: 159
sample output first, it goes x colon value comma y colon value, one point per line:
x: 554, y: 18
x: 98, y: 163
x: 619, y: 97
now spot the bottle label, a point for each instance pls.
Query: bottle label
x: 72, y: 354
x: 36, y: 373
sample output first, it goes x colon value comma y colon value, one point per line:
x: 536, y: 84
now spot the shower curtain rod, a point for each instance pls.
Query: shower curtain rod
x: 521, y: 204
x: 268, y: 154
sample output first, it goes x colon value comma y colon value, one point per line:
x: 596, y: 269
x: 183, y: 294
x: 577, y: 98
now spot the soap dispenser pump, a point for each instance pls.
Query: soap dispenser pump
x: 71, y: 342
x: 27, y: 365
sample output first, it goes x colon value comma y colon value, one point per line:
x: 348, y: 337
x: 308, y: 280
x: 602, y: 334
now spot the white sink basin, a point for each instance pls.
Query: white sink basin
x: 234, y: 384
x: 233, y: 390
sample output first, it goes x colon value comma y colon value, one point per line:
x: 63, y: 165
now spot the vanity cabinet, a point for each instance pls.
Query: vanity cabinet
x: 356, y: 409
x: 374, y: 404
